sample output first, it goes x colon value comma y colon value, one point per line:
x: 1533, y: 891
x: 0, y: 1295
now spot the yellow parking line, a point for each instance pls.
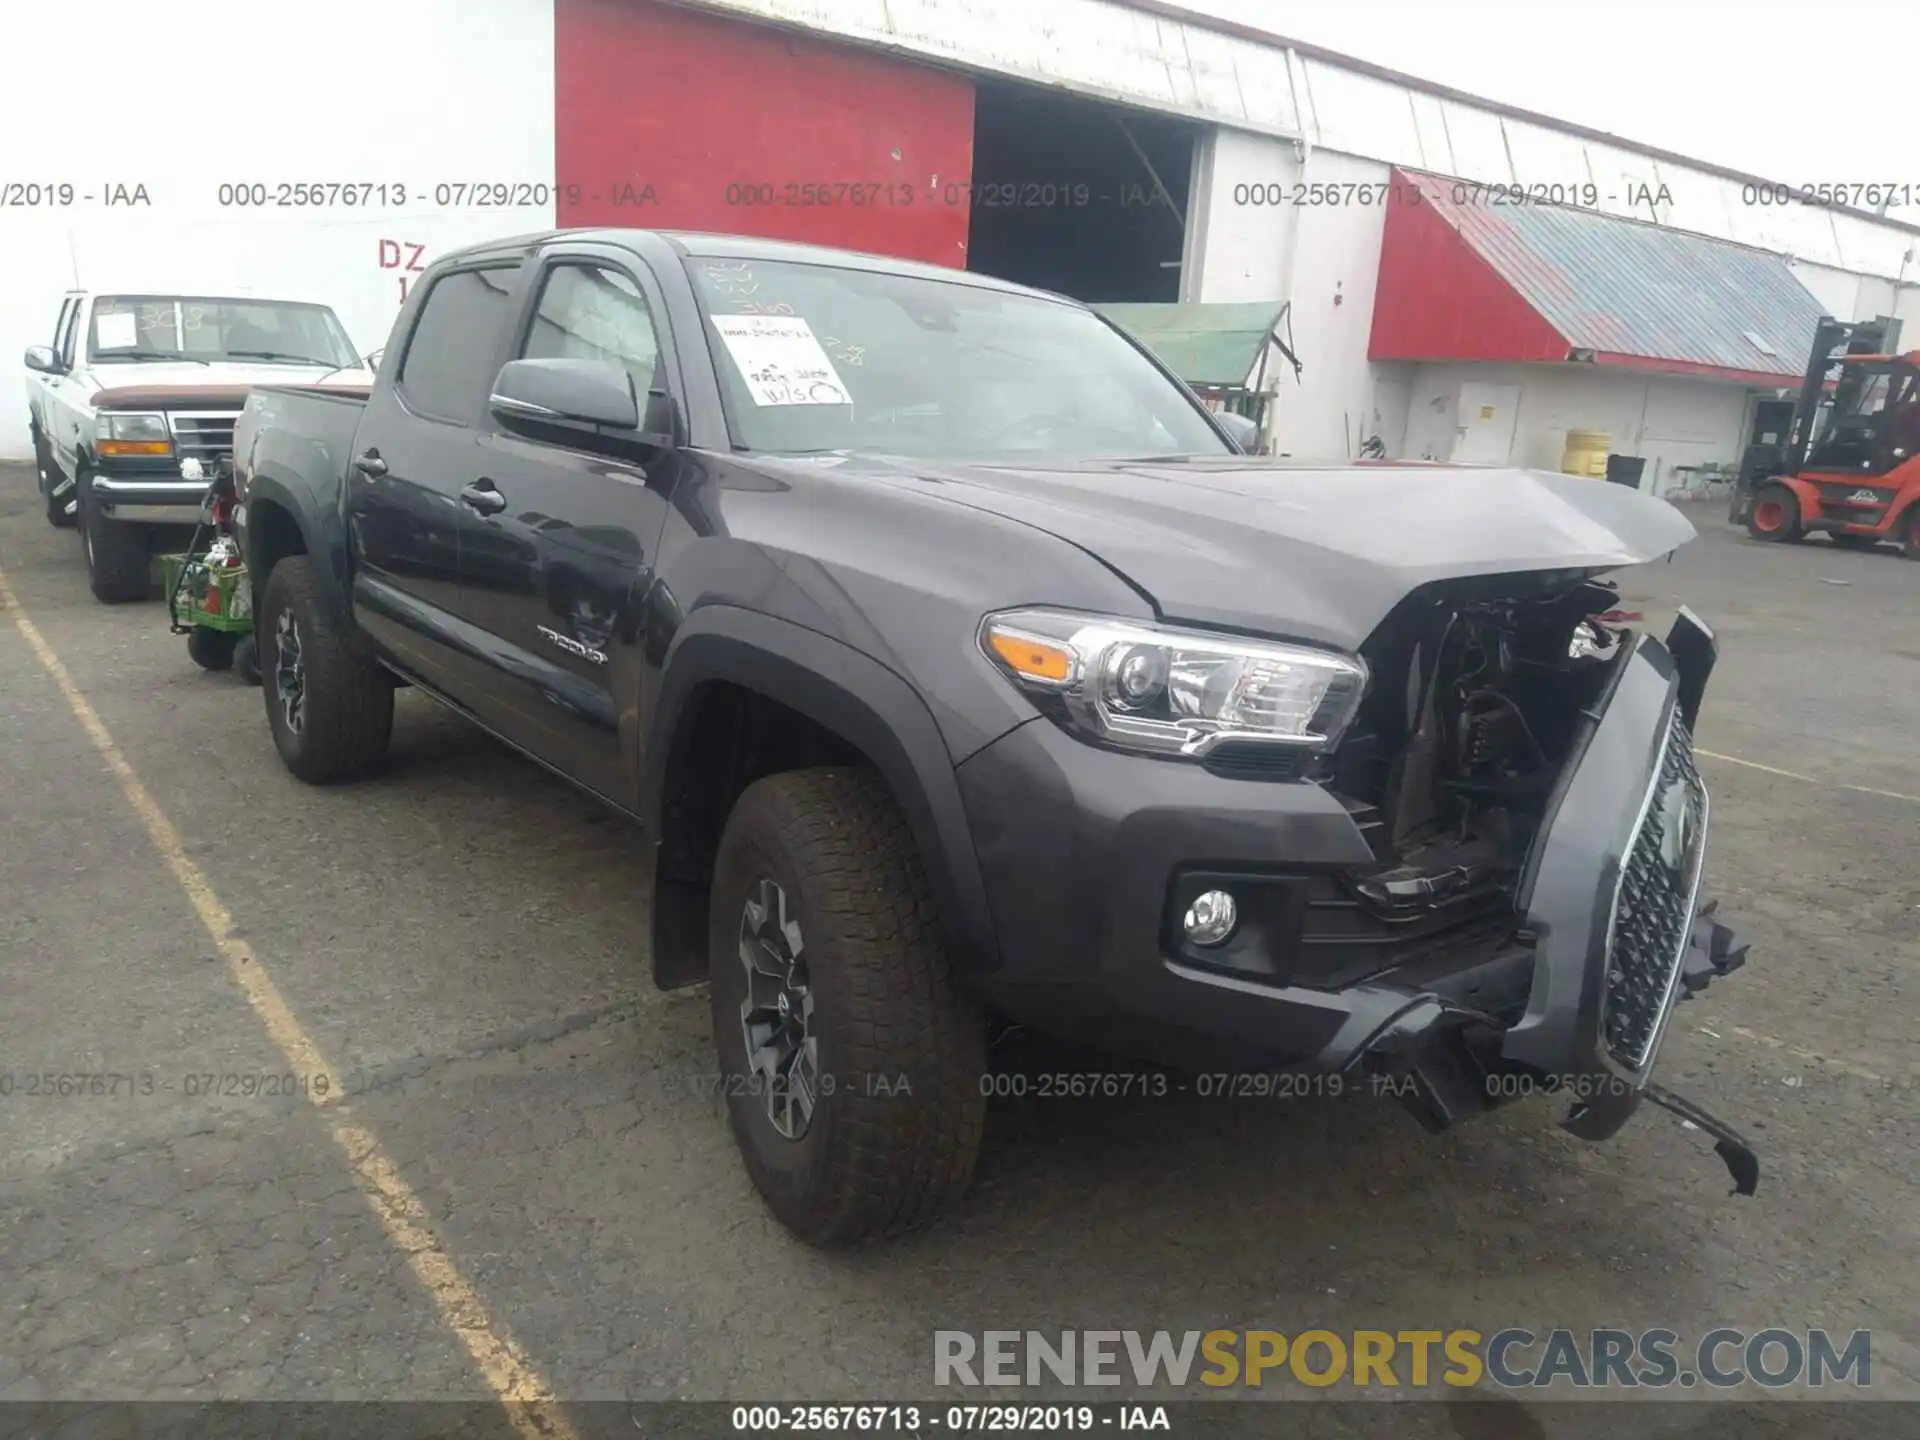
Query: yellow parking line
x: 514, y: 1380
x: 1808, y: 779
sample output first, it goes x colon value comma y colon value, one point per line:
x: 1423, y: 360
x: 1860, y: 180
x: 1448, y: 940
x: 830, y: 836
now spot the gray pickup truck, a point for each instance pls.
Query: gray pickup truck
x: 962, y: 670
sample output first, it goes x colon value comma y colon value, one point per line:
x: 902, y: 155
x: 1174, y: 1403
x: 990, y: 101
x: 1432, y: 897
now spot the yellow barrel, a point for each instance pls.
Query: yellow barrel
x: 1586, y: 453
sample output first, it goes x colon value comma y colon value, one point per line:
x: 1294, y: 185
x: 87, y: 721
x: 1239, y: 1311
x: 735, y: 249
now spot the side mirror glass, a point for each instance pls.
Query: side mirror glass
x: 1244, y: 433
x: 43, y: 358
x: 579, y: 392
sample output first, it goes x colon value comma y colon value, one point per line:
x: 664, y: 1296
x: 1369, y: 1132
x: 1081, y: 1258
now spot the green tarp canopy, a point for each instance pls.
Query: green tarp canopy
x: 1210, y: 346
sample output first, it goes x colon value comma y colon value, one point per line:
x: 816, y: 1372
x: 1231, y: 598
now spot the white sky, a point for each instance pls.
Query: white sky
x: 1791, y: 91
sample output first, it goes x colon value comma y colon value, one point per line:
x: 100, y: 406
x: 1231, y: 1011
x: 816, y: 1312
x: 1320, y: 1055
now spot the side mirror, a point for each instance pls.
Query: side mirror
x: 1244, y: 433
x: 580, y: 392
x: 43, y: 358
x: 372, y: 359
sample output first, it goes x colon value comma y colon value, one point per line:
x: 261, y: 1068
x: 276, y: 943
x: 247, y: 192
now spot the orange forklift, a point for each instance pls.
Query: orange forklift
x: 1850, y: 464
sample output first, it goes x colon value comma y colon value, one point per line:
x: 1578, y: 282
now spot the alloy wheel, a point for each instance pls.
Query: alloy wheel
x: 776, y: 1013
x: 289, y: 671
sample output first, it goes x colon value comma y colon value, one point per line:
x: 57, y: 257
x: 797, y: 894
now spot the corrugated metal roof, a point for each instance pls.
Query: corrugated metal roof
x: 1620, y: 287
x: 1212, y: 344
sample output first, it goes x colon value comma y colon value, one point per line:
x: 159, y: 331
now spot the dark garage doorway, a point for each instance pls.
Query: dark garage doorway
x: 1077, y: 196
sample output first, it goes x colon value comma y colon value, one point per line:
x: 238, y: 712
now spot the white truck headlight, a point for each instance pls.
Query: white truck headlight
x: 1175, y: 692
x: 132, y: 434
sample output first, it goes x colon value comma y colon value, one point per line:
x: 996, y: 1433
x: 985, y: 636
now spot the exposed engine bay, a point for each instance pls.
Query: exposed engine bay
x: 1475, y: 705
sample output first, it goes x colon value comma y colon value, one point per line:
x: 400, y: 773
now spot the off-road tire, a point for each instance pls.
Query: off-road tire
x: 346, y: 699
x: 1910, y: 540
x: 893, y: 1140
x: 211, y: 649
x: 49, y: 476
x: 1784, y: 530
x: 119, y: 554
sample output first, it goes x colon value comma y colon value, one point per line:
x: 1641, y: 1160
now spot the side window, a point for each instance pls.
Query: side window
x: 590, y: 312
x: 449, y: 362
x: 69, y: 331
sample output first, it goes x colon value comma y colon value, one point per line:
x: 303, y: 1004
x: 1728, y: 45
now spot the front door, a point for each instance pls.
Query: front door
x: 417, y: 445
x: 1484, y: 431
x: 557, y: 552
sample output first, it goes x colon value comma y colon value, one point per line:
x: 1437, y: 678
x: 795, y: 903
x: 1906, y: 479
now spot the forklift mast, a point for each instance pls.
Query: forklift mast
x: 1879, y: 336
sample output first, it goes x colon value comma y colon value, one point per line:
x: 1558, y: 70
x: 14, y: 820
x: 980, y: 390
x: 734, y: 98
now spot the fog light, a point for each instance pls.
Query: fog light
x: 1211, y: 918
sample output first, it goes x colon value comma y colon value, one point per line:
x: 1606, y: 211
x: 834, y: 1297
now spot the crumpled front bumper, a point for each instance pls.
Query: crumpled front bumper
x: 1624, y: 838
x: 1091, y: 856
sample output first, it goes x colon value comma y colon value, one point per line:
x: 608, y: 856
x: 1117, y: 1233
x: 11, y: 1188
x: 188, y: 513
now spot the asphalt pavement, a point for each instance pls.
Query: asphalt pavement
x: 526, y: 1186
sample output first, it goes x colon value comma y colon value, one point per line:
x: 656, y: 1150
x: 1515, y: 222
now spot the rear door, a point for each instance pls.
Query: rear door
x: 416, y: 449
x: 556, y: 561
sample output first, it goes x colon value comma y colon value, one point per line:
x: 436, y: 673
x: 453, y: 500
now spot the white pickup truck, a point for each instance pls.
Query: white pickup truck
x: 133, y: 405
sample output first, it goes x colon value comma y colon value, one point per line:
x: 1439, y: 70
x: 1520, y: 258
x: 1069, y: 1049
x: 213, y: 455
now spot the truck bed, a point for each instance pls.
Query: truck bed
x: 300, y: 435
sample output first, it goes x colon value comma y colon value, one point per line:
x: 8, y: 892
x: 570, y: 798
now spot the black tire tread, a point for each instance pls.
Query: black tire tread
x: 122, y: 566
x: 894, y: 1163
x: 211, y: 649
x: 349, y: 699
x: 1792, y: 533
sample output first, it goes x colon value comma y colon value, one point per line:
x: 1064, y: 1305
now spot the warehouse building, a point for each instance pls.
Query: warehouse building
x: 1127, y: 152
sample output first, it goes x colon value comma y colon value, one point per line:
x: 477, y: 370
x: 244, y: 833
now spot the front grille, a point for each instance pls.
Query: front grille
x: 205, y: 435
x: 1654, y: 906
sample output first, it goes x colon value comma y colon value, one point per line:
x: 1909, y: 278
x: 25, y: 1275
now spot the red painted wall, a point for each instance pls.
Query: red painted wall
x: 660, y: 110
x: 1438, y: 300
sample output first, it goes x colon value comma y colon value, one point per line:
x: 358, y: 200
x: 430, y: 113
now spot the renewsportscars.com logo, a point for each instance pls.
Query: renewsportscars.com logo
x: 1512, y: 1358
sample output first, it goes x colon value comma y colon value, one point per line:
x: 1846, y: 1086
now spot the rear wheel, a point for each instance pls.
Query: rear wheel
x: 330, y: 707
x: 211, y: 649
x: 52, y: 482
x: 851, y: 1058
x: 1775, y: 515
x: 1910, y: 543
x: 118, y: 559
x: 246, y: 660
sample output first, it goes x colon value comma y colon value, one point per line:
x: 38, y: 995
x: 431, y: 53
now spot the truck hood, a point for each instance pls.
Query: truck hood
x: 219, y: 377
x: 1312, y: 552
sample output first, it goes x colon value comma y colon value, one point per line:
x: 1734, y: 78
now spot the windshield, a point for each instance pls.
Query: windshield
x: 816, y: 358
x: 194, y: 327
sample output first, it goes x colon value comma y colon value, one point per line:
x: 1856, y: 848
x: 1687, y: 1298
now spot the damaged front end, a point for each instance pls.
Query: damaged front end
x: 1524, y: 774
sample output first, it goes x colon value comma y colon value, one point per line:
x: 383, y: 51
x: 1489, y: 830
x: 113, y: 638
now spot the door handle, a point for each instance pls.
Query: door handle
x: 368, y: 462
x: 481, y: 496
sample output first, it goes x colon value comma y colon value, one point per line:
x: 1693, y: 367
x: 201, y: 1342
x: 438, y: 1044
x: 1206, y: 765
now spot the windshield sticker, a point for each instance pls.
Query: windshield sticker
x: 855, y: 355
x: 781, y: 361
x: 732, y: 277
x: 115, y: 330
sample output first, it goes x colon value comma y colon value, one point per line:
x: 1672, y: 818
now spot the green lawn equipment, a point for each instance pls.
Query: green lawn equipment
x: 209, y: 599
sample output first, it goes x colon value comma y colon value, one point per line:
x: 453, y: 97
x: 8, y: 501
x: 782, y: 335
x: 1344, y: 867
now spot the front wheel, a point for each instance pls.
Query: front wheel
x: 119, y: 558
x: 330, y: 707
x: 1775, y: 516
x: 850, y: 1057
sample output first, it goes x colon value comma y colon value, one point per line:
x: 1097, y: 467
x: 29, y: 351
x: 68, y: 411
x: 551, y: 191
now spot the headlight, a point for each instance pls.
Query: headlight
x: 115, y: 434
x: 1175, y: 692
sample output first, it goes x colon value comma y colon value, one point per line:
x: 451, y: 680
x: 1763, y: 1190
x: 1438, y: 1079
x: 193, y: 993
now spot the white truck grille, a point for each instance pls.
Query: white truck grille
x: 204, y: 435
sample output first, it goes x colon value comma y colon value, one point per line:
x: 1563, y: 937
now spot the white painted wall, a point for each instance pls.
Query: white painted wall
x: 1669, y: 420
x: 1324, y: 259
x: 195, y: 93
